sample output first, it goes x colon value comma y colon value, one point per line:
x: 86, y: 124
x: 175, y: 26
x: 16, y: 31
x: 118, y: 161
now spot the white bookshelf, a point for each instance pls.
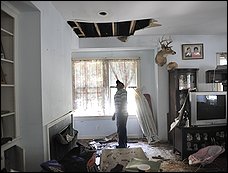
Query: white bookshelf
x: 12, y: 154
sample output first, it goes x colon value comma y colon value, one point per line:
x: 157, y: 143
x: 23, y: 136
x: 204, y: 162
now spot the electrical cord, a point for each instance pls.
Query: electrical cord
x: 213, y: 80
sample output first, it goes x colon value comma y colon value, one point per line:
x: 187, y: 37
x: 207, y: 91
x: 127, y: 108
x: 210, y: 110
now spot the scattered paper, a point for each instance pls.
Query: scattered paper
x: 174, y: 124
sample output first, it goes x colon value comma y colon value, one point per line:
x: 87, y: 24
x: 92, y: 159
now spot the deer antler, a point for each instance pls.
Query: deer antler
x: 165, y: 42
x: 168, y: 42
x: 161, y: 41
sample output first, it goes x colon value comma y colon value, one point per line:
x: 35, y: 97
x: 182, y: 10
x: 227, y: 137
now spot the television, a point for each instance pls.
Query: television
x: 208, y: 108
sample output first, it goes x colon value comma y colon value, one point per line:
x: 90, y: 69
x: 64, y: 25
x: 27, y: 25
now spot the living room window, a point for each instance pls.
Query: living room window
x: 221, y: 58
x: 94, y: 85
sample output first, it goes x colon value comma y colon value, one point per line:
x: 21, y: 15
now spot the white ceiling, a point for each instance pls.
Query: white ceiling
x: 176, y: 17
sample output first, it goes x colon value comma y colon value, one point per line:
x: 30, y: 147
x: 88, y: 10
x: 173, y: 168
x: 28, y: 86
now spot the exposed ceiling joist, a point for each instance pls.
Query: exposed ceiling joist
x: 114, y: 31
x: 80, y: 29
x: 97, y: 29
x: 132, y: 27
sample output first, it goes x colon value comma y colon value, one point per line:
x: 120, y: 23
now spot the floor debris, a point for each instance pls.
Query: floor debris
x: 170, y: 161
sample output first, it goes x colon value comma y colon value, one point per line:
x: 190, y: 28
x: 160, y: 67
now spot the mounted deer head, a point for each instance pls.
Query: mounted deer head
x: 166, y: 50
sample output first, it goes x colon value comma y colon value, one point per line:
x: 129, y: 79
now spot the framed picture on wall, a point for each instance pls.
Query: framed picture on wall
x: 192, y: 51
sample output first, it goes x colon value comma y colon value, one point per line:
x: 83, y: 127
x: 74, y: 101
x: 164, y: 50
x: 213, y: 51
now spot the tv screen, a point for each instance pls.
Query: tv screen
x: 211, y: 107
x: 208, y: 108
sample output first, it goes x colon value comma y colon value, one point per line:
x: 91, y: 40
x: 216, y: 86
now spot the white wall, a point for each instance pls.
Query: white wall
x: 56, y: 45
x: 158, y: 84
x: 30, y: 108
x: 44, y: 79
x: 99, y: 127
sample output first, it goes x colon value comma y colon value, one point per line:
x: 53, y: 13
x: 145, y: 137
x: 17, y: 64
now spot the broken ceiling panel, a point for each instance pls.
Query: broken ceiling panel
x: 110, y: 29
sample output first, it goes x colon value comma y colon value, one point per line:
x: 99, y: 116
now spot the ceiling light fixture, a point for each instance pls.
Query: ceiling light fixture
x: 103, y: 13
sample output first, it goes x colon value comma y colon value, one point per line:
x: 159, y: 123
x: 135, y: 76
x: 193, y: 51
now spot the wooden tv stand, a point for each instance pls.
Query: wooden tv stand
x: 189, y: 140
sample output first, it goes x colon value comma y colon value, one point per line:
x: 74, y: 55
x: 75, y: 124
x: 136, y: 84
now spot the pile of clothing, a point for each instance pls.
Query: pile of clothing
x: 78, y: 159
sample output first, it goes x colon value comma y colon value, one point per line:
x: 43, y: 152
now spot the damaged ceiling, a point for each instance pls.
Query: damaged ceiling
x: 121, y: 29
x: 176, y: 17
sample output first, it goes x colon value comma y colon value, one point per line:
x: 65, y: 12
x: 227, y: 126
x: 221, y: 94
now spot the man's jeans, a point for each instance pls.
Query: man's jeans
x: 122, y: 130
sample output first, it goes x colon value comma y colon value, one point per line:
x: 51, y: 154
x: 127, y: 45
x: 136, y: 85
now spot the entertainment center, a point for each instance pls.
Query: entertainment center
x: 189, y: 140
x: 205, y: 111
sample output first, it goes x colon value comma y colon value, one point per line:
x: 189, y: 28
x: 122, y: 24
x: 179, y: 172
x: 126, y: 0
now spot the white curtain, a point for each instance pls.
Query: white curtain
x: 145, y: 117
x: 125, y: 71
x: 90, y: 87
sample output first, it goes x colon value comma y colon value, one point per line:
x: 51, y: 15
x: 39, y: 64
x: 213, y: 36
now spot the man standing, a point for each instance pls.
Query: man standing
x: 121, y: 114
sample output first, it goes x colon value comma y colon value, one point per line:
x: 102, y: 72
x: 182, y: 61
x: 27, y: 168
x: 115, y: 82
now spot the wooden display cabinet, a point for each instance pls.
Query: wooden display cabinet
x: 180, y: 81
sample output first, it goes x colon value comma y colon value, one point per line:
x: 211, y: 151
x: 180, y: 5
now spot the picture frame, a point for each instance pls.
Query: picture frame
x: 192, y: 51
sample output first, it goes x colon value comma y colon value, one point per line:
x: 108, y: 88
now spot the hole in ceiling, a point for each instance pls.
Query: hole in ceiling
x: 121, y: 29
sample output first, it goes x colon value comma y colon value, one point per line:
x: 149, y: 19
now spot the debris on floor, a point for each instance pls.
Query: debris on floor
x: 160, y: 151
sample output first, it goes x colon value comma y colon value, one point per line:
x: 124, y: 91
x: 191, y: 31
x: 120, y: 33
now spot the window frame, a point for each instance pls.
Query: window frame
x: 110, y: 86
